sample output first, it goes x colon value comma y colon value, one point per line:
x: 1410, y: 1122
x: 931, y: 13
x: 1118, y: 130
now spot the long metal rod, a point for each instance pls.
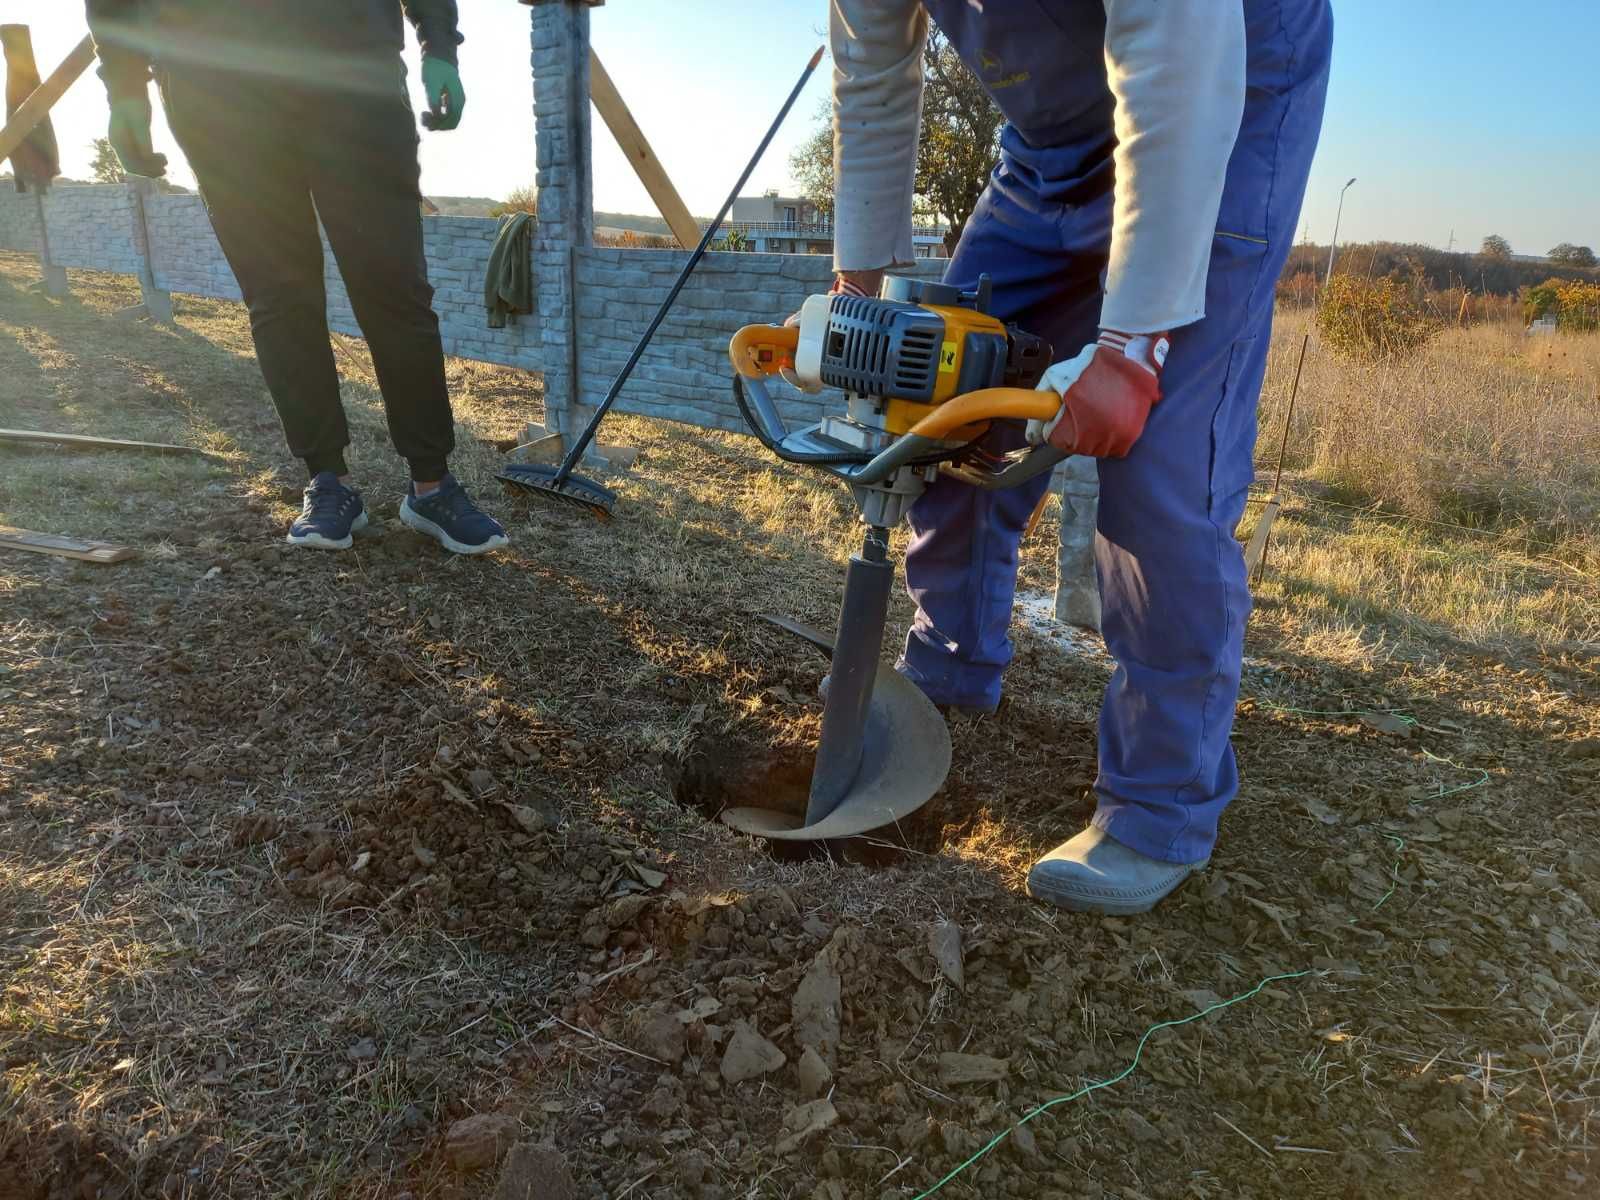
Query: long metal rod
x: 1294, y: 390
x: 576, y: 453
x: 1277, y: 479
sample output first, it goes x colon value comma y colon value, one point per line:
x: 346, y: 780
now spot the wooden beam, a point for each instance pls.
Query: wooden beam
x: 43, y: 98
x: 643, y: 159
x: 79, y: 441
x: 62, y: 547
x: 1257, y: 549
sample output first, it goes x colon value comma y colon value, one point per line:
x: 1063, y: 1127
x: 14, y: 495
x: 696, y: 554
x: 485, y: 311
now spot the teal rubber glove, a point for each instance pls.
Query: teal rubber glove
x: 129, y: 134
x: 442, y: 84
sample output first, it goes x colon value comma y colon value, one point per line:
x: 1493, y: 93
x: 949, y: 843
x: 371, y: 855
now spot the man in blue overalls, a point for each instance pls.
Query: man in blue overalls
x: 1152, y: 170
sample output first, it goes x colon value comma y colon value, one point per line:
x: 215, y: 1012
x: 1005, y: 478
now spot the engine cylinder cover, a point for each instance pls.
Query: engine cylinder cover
x: 882, y: 348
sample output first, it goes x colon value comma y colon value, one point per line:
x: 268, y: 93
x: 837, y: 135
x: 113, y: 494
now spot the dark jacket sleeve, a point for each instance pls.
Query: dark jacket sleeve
x: 119, y: 40
x: 435, y: 22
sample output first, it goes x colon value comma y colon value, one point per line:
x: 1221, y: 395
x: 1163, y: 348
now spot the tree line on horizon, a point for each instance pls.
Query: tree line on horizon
x: 1493, y: 273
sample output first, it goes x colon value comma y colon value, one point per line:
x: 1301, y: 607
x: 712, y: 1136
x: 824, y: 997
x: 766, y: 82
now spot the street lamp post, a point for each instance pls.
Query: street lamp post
x: 1335, y: 246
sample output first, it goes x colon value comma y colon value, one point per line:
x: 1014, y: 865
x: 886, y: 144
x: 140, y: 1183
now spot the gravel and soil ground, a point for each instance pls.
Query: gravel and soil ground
x: 339, y: 874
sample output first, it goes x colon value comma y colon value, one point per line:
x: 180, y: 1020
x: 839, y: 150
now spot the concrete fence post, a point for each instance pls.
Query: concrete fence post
x: 565, y: 180
x: 157, y: 301
x: 54, y: 277
x: 1077, y: 588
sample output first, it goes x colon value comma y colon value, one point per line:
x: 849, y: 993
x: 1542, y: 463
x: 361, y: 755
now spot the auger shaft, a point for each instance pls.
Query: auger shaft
x: 862, y: 615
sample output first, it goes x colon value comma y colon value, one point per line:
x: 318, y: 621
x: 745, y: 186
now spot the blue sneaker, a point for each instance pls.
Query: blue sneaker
x: 450, y: 516
x: 331, y: 512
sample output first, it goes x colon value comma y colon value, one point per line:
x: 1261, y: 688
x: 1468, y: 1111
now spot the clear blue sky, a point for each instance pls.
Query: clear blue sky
x: 1459, y: 115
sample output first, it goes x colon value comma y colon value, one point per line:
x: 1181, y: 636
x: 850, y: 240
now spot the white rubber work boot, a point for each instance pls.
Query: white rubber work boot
x: 1095, y: 873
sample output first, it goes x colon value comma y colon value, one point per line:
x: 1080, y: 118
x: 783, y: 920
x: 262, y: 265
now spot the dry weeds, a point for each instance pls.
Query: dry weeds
x: 1485, y: 426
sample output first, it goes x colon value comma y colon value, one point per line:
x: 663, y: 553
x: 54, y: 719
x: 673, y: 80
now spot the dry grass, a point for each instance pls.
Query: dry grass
x: 1365, y: 572
x: 173, y: 999
x: 1484, y: 426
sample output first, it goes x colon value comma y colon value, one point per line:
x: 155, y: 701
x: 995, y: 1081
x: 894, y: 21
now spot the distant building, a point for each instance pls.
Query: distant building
x: 777, y: 224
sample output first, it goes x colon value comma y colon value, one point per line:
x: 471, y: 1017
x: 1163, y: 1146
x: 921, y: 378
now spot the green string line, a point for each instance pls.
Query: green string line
x: 1399, y: 843
x: 1399, y: 715
x: 1394, y: 873
x: 1480, y: 781
x: 1105, y: 1083
x: 1138, y: 1053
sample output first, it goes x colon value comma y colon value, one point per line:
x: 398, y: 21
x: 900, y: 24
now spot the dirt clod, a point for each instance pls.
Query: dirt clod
x: 944, y: 943
x: 478, y: 1141
x: 804, y: 1120
x: 1139, y: 1127
x: 957, y: 1068
x: 749, y: 1055
x: 814, y: 1074
x: 1023, y: 1144
x: 529, y: 820
x: 663, y: 1037
x: 815, y: 1010
x: 252, y: 829
x: 535, y: 1172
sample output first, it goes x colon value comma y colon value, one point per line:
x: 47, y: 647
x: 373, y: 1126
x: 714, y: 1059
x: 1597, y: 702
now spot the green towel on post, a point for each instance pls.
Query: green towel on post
x: 508, y: 280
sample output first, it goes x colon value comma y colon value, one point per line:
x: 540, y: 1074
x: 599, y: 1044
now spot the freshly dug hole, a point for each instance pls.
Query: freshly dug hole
x: 716, y: 774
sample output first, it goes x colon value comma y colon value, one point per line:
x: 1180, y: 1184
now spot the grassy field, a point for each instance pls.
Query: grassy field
x: 305, y: 858
x: 1486, y: 426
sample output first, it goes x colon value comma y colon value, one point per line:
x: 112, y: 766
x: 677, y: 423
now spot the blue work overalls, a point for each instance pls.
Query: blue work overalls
x: 1171, y: 573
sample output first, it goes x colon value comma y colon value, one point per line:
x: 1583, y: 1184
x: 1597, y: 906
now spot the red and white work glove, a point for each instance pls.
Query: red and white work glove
x: 1107, y: 393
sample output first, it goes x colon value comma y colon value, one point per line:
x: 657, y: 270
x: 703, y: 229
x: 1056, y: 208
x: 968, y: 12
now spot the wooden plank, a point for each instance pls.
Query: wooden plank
x: 643, y: 159
x: 1038, y: 511
x: 80, y: 441
x: 1258, y: 537
x: 43, y: 98
x: 62, y: 547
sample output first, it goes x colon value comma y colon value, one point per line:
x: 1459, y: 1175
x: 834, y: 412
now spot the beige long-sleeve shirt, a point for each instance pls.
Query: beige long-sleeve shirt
x: 1176, y: 69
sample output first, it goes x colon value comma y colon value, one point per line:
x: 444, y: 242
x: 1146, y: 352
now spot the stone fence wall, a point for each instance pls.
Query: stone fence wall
x: 95, y: 226
x: 684, y: 375
x: 90, y: 226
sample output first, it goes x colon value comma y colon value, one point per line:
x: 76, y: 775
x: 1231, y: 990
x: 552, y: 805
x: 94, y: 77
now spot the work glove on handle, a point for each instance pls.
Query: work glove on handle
x: 1107, y: 393
x: 129, y: 135
x: 441, y: 83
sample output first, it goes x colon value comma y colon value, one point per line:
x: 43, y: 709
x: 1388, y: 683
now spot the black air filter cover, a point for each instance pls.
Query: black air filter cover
x: 882, y: 348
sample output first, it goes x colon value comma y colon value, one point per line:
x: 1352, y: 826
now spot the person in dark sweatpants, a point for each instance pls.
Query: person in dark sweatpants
x: 289, y: 111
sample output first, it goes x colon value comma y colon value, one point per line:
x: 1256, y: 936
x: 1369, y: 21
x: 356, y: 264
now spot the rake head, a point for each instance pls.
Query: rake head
x: 535, y: 479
